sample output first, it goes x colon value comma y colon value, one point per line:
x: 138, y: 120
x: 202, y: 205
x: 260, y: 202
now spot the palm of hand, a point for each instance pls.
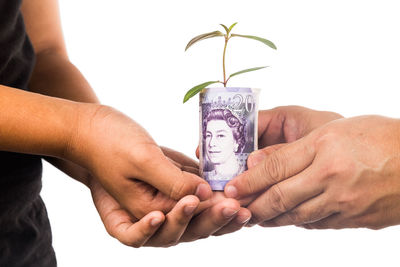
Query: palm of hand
x: 137, y: 231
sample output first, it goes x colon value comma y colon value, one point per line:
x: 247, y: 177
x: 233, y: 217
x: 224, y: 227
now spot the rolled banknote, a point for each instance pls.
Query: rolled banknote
x: 228, y: 132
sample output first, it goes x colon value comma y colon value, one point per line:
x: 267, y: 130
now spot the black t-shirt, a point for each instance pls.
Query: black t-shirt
x: 25, y: 235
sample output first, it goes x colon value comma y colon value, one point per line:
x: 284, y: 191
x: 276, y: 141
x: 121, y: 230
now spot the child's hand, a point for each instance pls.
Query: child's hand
x: 128, y: 164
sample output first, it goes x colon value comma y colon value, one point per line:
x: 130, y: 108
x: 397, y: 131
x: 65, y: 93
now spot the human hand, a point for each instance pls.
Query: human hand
x: 158, y: 230
x: 121, y: 155
x: 288, y: 123
x: 283, y: 125
x: 215, y: 216
x: 343, y: 174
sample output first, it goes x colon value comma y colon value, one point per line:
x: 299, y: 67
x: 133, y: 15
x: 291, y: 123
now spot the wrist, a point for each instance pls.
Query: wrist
x: 77, y: 147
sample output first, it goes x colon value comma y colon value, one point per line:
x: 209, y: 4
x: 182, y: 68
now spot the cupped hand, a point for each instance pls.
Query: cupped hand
x: 188, y: 219
x: 341, y: 175
x: 125, y: 160
x: 158, y: 230
x: 215, y: 216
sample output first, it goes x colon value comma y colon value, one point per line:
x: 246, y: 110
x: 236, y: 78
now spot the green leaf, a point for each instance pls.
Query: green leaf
x: 192, y: 92
x: 202, y: 37
x: 246, y: 70
x: 231, y: 27
x: 265, y: 41
x: 226, y: 28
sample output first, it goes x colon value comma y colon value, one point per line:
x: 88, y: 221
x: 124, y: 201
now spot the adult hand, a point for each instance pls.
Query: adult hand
x: 343, y: 174
x: 284, y: 125
x: 122, y: 156
x: 289, y: 123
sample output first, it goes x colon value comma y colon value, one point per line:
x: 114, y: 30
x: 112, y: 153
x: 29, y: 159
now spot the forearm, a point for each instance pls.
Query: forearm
x: 35, y: 124
x: 55, y: 75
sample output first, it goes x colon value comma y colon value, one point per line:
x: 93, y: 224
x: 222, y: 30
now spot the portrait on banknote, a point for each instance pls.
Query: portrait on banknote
x: 228, y: 133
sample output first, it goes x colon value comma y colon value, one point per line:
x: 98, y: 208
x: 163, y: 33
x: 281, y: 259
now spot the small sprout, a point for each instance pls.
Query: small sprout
x: 193, y: 91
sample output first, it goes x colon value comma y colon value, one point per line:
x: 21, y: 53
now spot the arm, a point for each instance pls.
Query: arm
x: 36, y: 124
x: 54, y: 74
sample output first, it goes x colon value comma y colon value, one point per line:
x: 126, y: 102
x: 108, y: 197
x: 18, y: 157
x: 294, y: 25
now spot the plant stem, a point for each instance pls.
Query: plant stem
x: 223, y: 60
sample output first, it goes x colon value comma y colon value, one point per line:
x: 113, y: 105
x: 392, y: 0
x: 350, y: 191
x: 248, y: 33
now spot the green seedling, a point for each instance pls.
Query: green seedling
x: 227, y: 36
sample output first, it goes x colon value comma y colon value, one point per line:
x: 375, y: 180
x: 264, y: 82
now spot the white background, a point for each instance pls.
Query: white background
x: 332, y: 55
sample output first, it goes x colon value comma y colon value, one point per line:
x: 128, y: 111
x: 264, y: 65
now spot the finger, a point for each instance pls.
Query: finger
x: 133, y: 234
x: 198, y: 152
x: 241, y: 219
x: 154, y: 168
x: 270, y: 127
x: 313, y: 210
x: 179, y: 157
x: 175, y: 223
x: 259, y: 155
x: 286, y: 195
x: 211, y: 220
x: 278, y: 166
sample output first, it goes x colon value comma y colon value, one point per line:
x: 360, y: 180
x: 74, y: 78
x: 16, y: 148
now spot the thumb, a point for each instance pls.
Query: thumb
x: 276, y: 167
x: 161, y: 173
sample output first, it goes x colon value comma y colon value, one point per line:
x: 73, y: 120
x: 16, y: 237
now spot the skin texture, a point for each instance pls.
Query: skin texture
x: 341, y: 174
x: 106, y: 150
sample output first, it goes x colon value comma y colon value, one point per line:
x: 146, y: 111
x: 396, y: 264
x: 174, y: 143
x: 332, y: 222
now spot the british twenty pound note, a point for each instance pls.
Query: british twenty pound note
x: 228, y: 133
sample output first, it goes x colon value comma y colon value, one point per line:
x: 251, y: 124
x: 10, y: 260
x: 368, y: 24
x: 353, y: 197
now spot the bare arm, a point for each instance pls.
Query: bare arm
x: 54, y: 74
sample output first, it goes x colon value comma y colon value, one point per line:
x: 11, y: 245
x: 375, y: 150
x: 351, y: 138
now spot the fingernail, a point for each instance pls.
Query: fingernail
x: 203, y: 192
x: 154, y: 222
x: 188, y: 210
x: 228, y: 212
x: 231, y: 191
x: 243, y: 219
x: 255, y: 158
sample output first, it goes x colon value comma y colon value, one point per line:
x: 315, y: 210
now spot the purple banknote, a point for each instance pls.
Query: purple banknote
x: 228, y: 132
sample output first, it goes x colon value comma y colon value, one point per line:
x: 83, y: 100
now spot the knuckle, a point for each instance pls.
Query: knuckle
x: 179, y: 189
x: 316, y: 214
x: 295, y: 217
x: 273, y: 169
x: 276, y: 200
x: 327, y: 137
x: 250, y: 184
x: 347, y: 203
x: 339, y: 169
x: 340, y: 166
